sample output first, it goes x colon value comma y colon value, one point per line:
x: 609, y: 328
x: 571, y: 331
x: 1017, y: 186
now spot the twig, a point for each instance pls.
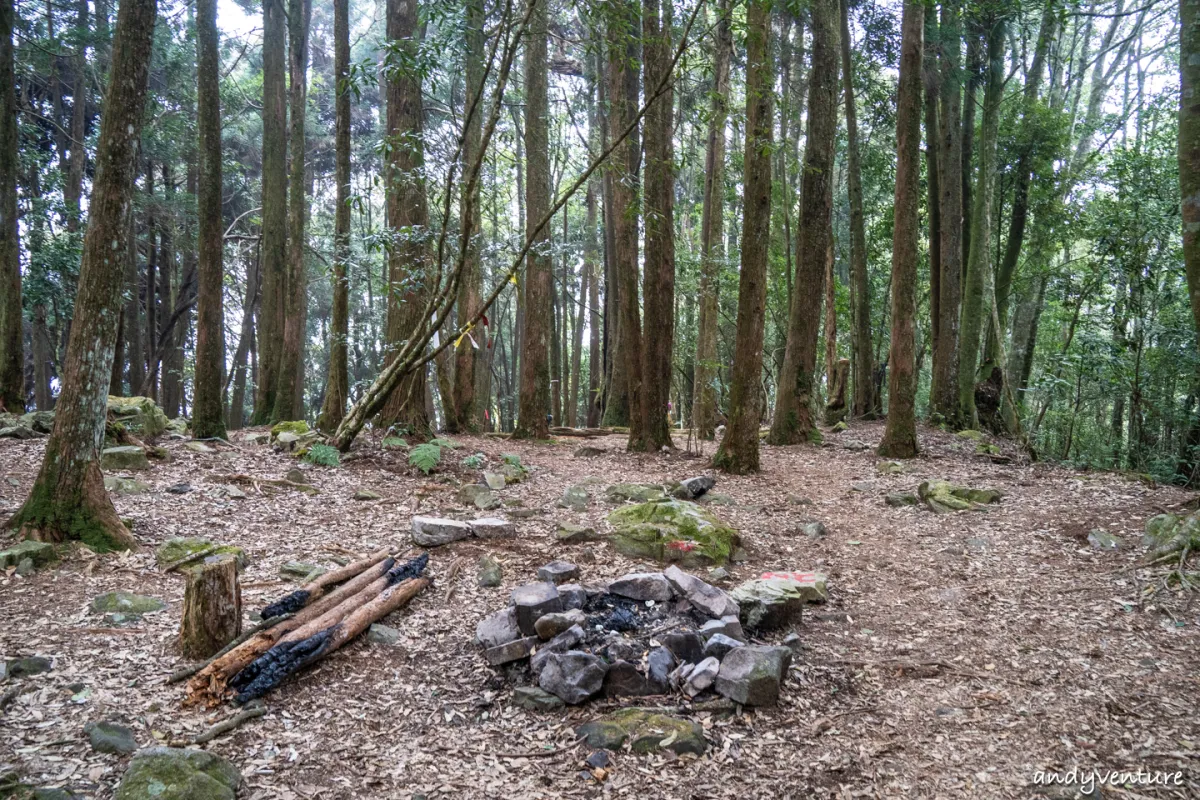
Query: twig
x: 108, y: 631
x: 187, y: 672
x: 225, y: 726
x: 196, y: 556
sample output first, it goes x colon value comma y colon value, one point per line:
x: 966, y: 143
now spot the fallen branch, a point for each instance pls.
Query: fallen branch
x: 317, y: 586
x: 234, y: 722
x: 583, y: 433
x: 196, y: 556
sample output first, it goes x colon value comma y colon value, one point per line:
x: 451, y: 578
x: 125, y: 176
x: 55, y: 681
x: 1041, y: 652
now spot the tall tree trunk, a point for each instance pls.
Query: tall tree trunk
x: 929, y: 82
x: 738, y: 451
x: 795, y: 409
x: 1189, y: 145
x: 149, y: 386
x: 658, y: 282
x: 976, y: 288
x: 593, y: 253
x: 830, y: 331
x: 534, y: 403
x: 580, y: 306
x: 237, y: 401
x: 135, y: 349
x: 944, y: 389
x: 68, y: 499
x: 408, y: 214
x: 860, y: 287
x: 900, y: 435
x: 169, y: 292
x: 208, y: 419
x: 973, y: 76
x: 73, y: 188
x: 712, y: 238
x: 289, y: 399
x: 273, y: 261
x: 624, y: 400
x: 12, y: 356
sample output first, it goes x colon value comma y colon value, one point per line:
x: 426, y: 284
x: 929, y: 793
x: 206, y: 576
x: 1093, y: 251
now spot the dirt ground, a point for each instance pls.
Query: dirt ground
x: 958, y: 654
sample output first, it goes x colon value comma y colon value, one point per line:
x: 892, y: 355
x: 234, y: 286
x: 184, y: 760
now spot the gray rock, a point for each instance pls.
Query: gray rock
x: 434, y: 531
x: 901, y: 499
x: 624, y: 680
x: 123, y: 458
x: 776, y: 598
x: 109, y: 737
x: 621, y: 648
x: 793, y: 642
x: 126, y: 603
x: 692, y: 488
x: 532, y: 601
x: 1101, y: 539
x: 300, y: 571
x: 550, y: 625
x: 718, y: 645
x: 297, y: 475
x: 686, y: 646
x: 511, y: 651
x: 708, y: 599
x: 494, y: 480
x: 497, y: 629
x: 124, y: 486
x: 642, y: 586
x: 659, y: 665
x: 39, y: 552
x: 26, y: 567
x: 573, y: 676
x: 17, y: 432
x: 365, y: 495
x: 718, y: 574
x: 588, y: 452
x: 382, y: 634
x: 169, y: 773
x: 573, y: 596
x: 728, y: 626
x: 567, y: 640
x: 489, y: 572
x: 575, y: 534
x: 752, y: 675
x: 486, y: 501
x: 535, y: 698
x: 702, y: 677
x: 31, y: 665
x: 575, y: 498
x: 813, y: 530
x: 557, y: 572
x: 493, y: 528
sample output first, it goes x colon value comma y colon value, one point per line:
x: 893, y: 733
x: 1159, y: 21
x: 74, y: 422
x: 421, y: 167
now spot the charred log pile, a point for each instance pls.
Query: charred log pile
x: 314, y: 621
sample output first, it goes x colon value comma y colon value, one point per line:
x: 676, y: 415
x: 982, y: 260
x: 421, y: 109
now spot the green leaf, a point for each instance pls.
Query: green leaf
x: 425, y: 457
x: 447, y: 443
x: 324, y: 455
x: 395, y: 443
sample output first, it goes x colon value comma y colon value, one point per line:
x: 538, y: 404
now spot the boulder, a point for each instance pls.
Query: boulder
x: 672, y: 531
x: 178, y: 547
x: 718, y: 645
x: 944, y: 497
x: 489, y: 573
x: 497, y: 629
x: 636, y: 492
x: 646, y: 731
x: 776, y: 598
x: 40, y: 553
x: 624, y: 680
x: 691, y: 488
x: 495, y: 480
x: 708, y: 599
x: 17, y: 432
x: 550, y: 625
x: 532, y: 601
x: 573, y: 596
x: 510, y: 651
x: 753, y: 674
x: 170, y: 773
x: 126, y: 603
x: 557, y: 572
x: 109, y: 737
x: 535, y: 698
x: 493, y: 528
x: 575, y: 498
x: 435, y: 532
x: 123, y: 458
x: 139, y: 415
x: 686, y: 646
x: 575, y: 534
x: 702, y: 677
x: 642, y: 586
x: 573, y: 676
x: 727, y: 626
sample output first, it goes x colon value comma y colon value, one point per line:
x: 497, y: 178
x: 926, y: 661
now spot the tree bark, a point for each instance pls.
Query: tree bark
x: 593, y: 254
x: 900, y: 435
x: 1189, y: 145
x: 712, y: 238
x: 794, y: 420
x: 208, y: 420
x: 337, y: 386
x: 73, y: 188
x: 738, y: 451
x: 860, y: 287
x: 534, y: 400
x: 12, y: 355
x: 929, y: 81
x: 237, y: 400
x: 68, y: 499
x: 212, y: 601
x: 273, y: 246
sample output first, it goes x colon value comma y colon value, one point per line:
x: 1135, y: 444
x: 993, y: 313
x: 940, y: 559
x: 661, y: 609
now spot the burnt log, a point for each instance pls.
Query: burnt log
x: 312, y: 590
x: 212, y: 608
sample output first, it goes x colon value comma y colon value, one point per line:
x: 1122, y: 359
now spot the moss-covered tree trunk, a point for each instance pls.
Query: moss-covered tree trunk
x: 712, y: 233
x: 860, y: 287
x: 534, y: 400
x: 273, y: 245
x: 208, y: 414
x: 12, y: 357
x: 794, y: 420
x: 738, y: 451
x: 900, y: 435
x: 68, y: 500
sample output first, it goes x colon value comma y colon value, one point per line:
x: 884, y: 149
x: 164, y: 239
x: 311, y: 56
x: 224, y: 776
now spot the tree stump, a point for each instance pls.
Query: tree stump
x: 212, y: 607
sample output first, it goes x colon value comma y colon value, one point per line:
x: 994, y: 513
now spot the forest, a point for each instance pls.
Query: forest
x: 295, y: 290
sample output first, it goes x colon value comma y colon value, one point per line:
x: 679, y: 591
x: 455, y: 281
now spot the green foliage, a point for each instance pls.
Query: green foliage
x: 394, y: 443
x: 323, y: 455
x: 474, y: 462
x: 512, y: 459
x: 449, y: 444
x: 426, y: 457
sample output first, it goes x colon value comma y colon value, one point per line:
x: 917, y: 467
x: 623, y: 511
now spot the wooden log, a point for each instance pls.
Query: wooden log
x: 318, y: 586
x: 212, y: 608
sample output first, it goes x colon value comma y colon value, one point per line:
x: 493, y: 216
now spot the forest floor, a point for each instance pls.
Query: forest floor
x: 958, y: 654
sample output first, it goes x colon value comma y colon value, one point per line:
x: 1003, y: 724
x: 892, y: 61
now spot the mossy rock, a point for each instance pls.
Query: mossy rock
x: 126, y: 603
x: 673, y: 531
x: 889, y: 468
x: 140, y: 415
x: 944, y: 497
x: 637, y: 492
x: 973, y: 435
x: 513, y: 473
x: 169, y: 773
x: 841, y: 427
x: 178, y: 425
x: 1168, y: 533
x: 124, y: 486
x: 178, y: 547
x: 39, y: 552
x: 645, y: 731
x: 128, y: 457
x: 39, y: 421
x: 298, y: 427
x: 985, y: 449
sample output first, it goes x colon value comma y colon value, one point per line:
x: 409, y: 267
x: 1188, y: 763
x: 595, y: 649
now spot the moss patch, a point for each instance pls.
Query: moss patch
x: 944, y: 497
x: 645, y: 731
x: 175, y: 548
x: 672, y: 531
x: 139, y: 415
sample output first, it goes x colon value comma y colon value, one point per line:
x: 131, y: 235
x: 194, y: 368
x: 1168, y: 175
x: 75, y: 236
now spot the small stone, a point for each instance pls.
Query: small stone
x: 497, y: 629
x: 889, y: 468
x: 569, y: 533
x: 573, y: 676
x: 435, y: 531
x: 855, y: 446
x: 296, y: 475
x: 727, y: 626
x: 31, y: 665
x: 510, y: 651
x: 575, y: 498
x: 813, y: 530
x: 752, y: 675
x: 567, y: 640
x: 169, y: 773
x: 799, y: 500
x: 793, y: 642
x: 532, y: 601
x: 557, y: 572
x: 535, y: 698
x: 718, y: 574
x: 1101, y: 539
x: 702, y: 676
x: 126, y: 603
x: 550, y: 625
x: 598, y: 759
x: 113, y: 459
x: 524, y: 513
x: 901, y: 499
x: 686, y: 646
x: 659, y: 664
x: 708, y: 599
x: 234, y: 493
x: 489, y: 572
x: 365, y: 495
x: 26, y: 567
x: 382, y: 634
x: 692, y: 488
x: 493, y: 528
x: 624, y: 680
x: 573, y: 596
x: 486, y: 501
x: 199, y: 447
x: 494, y: 480
x: 642, y: 586
x: 300, y: 571
x: 719, y: 644
x: 124, y: 486
x: 109, y: 737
